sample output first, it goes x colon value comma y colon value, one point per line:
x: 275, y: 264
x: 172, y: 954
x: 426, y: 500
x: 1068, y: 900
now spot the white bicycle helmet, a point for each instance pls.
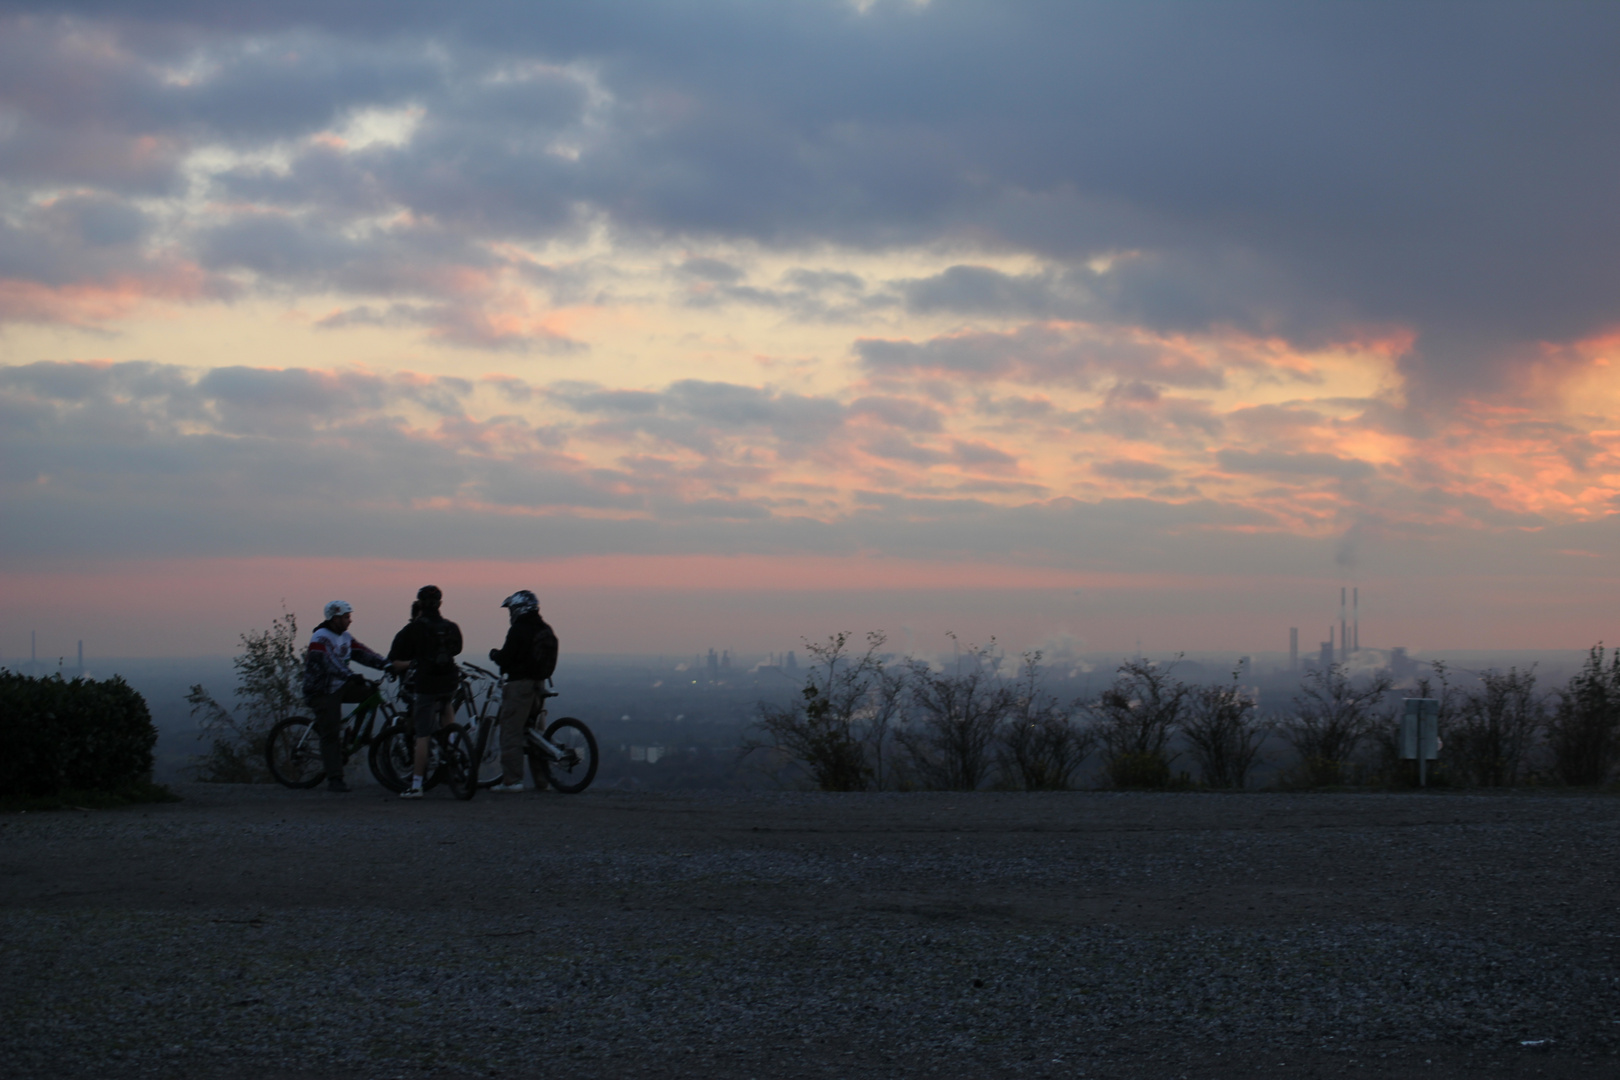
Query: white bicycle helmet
x: 339, y: 607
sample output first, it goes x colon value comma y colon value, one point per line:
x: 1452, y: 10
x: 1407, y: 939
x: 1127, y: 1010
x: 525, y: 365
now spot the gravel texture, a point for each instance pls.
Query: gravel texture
x: 263, y: 932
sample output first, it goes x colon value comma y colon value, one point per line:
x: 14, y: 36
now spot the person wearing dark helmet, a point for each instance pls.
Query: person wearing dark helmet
x: 429, y: 643
x: 329, y: 684
x: 527, y: 659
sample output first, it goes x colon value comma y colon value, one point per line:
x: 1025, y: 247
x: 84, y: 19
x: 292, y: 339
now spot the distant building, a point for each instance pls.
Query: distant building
x: 791, y: 663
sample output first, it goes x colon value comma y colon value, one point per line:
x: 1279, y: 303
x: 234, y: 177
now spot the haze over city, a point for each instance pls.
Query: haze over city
x: 1088, y: 326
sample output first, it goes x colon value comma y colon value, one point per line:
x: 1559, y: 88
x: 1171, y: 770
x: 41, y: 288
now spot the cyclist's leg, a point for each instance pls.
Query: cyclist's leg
x: 537, y: 722
x: 427, y: 715
x: 328, y: 710
x: 517, y: 700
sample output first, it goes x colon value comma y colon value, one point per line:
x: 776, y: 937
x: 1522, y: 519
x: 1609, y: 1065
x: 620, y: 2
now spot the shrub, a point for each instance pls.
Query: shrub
x: 1490, y: 734
x: 955, y: 718
x: 1385, y: 735
x: 83, y: 735
x: 1332, y: 714
x: 269, y: 687
x: 1584, y: 731
x: 1134, y: 719
x: 842, y: 719
x: 1041, y: 746
x: 1223, y: 732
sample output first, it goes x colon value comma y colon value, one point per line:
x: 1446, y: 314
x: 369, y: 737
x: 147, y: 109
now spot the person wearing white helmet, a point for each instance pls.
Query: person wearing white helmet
x: 329, y: 684
x: 527, y: 659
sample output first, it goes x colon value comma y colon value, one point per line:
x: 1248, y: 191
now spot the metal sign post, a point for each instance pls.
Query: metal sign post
x: 1420, y: 734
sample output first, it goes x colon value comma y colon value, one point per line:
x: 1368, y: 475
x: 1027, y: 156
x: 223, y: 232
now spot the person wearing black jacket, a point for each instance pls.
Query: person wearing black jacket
x: 428, y: 645
x: 527, y: 659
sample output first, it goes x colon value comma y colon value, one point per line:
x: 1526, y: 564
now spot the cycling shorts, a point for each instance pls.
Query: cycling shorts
x: 427, y: 713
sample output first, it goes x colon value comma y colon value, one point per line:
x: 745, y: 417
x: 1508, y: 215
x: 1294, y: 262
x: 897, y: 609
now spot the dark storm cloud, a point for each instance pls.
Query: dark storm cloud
x: 1289, y: 169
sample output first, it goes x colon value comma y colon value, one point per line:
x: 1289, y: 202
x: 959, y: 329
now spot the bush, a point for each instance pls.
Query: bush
x: 83, y: 735
x: 955, y: 719
x: 838, y: 728
x: 1041, y: 746
x: 1332, y: 715
x: 270, y: 672
x: 1223, y: 732
x: 1135, y: 718
x: 1490, y: 736
x: 1396, y: 771
x: 1584, y: 732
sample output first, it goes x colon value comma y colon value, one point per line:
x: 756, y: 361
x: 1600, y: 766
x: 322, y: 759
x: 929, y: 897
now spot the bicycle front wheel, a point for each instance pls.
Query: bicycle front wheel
x: 393, y: 758
x: 462, y: 750
x: 573, y: 772
x: 293, y: 752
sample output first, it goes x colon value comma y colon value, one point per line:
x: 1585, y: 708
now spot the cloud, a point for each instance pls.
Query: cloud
x: 1126, y: 469
x: 1294, y: 186
x: 1287, y: 463
x: 1042, y: 353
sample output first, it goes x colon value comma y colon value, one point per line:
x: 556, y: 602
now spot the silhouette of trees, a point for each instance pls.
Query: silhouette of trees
x: 269, y: 687
x: 1041, y: 745
x: 1584, y: 730
x: 1134, y: 718
x: 1223, y: 732
x: 1332, y: 715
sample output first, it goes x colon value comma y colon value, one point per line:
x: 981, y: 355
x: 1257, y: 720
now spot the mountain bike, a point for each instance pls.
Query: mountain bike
x: 564, y: 752
x: 293, y: 748
x: 393, y: 755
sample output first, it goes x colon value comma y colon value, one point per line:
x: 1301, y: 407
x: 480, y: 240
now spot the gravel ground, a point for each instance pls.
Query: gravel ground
x: 264, y: 932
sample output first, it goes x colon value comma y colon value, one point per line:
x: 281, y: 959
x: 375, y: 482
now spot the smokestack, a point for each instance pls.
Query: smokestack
x: 1293, y: 648
x: 1355, y: 611
x: 1344, y: 640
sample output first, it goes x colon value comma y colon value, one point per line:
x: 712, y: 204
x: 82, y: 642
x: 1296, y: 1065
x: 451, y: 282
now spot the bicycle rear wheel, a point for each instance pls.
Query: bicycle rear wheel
x: 293, y: 753
x: 574, y: 771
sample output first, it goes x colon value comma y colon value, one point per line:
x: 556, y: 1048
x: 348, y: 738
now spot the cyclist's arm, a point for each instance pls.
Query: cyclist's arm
x: 403, y: 651
x: 359, y: 654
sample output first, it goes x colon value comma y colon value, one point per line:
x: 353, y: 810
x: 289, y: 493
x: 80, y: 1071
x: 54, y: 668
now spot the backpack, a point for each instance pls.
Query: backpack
x: 437, y: 663
x: 544, y: 654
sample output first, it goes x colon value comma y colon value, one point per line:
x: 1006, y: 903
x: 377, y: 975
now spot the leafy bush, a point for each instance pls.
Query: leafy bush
x: 270, y: 675
x: 1584, y: 731
x: 1135, y: 718
x: 84, y: 735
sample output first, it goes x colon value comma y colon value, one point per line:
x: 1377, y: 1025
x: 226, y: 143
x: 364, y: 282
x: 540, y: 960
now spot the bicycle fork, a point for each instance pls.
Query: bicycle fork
x: 553, y: 751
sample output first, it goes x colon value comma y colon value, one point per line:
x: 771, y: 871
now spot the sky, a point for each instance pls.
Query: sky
x: 1080, y: 325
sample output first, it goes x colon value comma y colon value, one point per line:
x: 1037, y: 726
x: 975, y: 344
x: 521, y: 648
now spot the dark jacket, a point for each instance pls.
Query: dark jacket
x: 431, y: 643
x: 530, y: 651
